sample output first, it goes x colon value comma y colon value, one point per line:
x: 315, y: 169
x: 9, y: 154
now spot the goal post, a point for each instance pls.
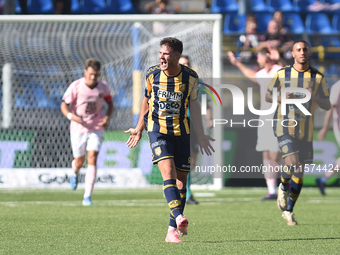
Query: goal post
x: 47, y: 52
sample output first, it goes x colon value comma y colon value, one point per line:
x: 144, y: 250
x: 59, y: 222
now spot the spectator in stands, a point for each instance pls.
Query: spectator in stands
x: 62, y: 6
x: 163, y: 7
x: 274, y: 39
x: 317, y: 6
x: 279, y: 18
x: 249, y: 40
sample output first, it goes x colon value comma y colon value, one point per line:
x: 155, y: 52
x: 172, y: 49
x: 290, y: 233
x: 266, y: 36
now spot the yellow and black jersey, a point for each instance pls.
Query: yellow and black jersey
x: 168, y: 98
x: 295, y: 123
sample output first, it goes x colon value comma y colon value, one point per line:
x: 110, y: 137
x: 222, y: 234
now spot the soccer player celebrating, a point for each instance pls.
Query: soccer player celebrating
x: 169, y: 89
x: 86, y: 97
x: 294, y: 130
x: 266, y: 141
x: 335, y: 101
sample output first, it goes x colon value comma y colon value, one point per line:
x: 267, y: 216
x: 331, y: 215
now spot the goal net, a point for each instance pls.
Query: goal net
x: 44, y: 54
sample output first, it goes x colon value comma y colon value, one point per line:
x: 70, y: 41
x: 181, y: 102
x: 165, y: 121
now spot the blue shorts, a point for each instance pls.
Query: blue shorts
x: 290, y: 145
x: 169, y: 146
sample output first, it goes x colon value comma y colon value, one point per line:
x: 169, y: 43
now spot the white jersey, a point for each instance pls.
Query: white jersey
x: 265, y: 134
x: 334, y: 98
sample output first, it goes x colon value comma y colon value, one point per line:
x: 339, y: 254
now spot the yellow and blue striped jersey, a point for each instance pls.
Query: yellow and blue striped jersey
x: 295, y: 123
x: 168, y: 98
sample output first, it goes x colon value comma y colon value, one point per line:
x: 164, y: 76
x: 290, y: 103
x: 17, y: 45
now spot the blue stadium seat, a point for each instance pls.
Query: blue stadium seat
x: 294, y: 22
x: 336, y: 23
x: 234, y: 23
x: 121, y: 6
x: 224, y: 6
x: 302, y: 5
x: 259, y: 6
x: 281, y: 5
x: 17, y: 7
x: 262, y: 21
x: 93, y: 6
x: 318, y: 23
x: 40, y: 7
x: 75, y: 7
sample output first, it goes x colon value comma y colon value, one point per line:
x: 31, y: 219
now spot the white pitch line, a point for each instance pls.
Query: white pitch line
x: 153, y: 202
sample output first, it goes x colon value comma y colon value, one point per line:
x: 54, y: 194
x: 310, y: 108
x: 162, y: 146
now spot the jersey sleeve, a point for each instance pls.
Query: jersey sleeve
x: 70, y: 95
x: 323, y: 91
x: 107, y: 93
x: 148, y: 87
x: 194, y: 82
x: 274, y: 83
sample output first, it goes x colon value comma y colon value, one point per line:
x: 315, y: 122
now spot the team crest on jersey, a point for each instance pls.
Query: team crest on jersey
x: 285, y: 149
x: 189, y: 160
x: 182, y: 87
x: 158, y: 151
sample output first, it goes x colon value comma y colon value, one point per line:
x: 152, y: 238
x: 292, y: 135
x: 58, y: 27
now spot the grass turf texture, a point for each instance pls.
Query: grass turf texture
x: 234, y: 221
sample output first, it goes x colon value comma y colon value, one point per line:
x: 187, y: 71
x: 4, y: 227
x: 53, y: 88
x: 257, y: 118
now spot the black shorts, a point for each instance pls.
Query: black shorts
x: 169, y: 146
x: 290, y: 145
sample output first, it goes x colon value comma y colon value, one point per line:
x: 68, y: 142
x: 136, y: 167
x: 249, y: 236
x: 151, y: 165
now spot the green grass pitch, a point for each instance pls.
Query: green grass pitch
x: 233, y: 221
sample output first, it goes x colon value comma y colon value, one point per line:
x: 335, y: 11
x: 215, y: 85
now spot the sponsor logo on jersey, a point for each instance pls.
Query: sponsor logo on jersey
x: 158, y: 85
x: 285, y: 142
x: 170, y: 95
x: 169, y: 107
x: 158, y: 143
x: 182, y: 87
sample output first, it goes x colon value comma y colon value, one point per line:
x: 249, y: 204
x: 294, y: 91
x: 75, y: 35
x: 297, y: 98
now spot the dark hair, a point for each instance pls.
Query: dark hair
x: 264, y: 51
x: 187, y: 58
x: 173, y: 43
x: 302, y: 41
x: 94, y: 63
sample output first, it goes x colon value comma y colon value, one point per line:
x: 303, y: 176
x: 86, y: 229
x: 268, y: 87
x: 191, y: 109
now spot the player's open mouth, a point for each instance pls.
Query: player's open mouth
x: 163, y: 63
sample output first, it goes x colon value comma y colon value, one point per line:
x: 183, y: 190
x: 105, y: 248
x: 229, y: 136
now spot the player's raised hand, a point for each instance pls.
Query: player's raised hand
x: 273, y: 53
x: 233, y: 60
x: 204, y: 143
x: 135, y: 136
x: 104, y: 122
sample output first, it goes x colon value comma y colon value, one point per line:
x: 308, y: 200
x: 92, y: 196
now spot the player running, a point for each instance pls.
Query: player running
x: 294, y: 130
x: 86, y: 97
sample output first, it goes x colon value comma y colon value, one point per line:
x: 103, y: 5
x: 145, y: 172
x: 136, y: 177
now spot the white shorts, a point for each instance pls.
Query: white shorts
x: 266, y: 140
x: 90, y: 141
